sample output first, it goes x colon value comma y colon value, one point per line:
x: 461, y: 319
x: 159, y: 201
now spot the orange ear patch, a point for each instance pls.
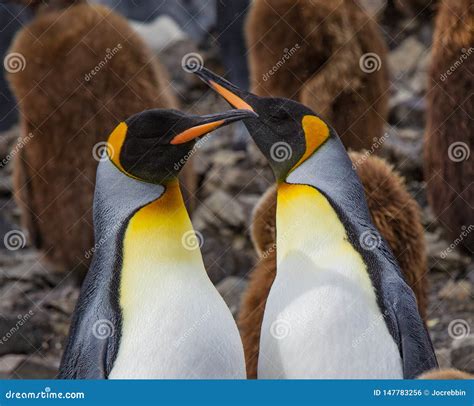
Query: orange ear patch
x: 316, y: 132
x: 114, y: 144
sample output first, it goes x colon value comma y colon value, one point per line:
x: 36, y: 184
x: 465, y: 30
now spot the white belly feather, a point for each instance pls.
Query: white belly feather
x: 187, y: 332
x: 321, y: 319
x: 175, y: 325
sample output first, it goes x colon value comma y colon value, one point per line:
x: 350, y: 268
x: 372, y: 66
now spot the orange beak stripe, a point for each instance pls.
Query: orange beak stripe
x: 232, y: 98
x: 194, y: 132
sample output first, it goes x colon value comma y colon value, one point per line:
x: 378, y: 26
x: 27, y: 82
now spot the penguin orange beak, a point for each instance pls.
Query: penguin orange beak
x: 211, y: 122
x: 236, y: 97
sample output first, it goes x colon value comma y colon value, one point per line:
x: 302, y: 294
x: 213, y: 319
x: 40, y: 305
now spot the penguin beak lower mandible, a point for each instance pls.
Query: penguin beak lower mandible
x: 211, y: 122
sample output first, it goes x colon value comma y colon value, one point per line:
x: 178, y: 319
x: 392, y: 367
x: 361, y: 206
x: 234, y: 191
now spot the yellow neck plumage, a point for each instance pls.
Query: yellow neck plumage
x: 308, y: 228
x: 159, y: 239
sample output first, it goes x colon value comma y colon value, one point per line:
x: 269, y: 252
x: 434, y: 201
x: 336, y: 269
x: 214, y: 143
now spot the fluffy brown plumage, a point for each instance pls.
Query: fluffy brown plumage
x: 446, y: 374
x: 395, y: 214
x: 449, y: 138
x: 66, y: 110
x: 312, y: 52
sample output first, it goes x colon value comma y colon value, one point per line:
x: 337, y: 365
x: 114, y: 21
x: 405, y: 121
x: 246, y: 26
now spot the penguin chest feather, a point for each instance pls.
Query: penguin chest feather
x: 175, y: 325
x: 321, y: 318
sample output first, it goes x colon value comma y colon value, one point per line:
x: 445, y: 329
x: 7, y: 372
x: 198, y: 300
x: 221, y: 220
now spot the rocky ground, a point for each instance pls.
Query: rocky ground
x: 36, y: 303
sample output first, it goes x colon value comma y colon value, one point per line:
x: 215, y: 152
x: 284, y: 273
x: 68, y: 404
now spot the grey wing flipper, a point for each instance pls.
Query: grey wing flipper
x: 415, y: 345
x: 95, y: 330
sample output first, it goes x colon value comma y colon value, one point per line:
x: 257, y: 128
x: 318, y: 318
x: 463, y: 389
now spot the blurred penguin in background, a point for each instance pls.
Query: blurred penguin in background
x: 449, y: 138
x: 84, y: 70
x: 330, y: 56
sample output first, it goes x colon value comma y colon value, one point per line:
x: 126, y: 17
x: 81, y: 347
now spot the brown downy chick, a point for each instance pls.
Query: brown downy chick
x: 396, y: 216
x: 85, y: 71
x: 446, y: 374
x: 328, y: 55
x: 449, y: 138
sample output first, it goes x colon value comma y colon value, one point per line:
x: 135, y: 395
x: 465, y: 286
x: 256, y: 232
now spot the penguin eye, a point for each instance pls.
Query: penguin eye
x: 279, y: 114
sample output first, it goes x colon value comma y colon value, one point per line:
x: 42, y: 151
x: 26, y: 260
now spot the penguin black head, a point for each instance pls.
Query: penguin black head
x: 286, y: 131
x: 152, y: 145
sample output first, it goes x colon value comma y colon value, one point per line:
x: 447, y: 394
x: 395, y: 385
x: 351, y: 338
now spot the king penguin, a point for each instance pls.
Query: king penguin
x: 147, y: 309
x: 339, y: 307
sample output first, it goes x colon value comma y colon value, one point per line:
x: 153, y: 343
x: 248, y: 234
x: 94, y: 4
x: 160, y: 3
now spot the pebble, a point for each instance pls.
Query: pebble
x: 462, y: 354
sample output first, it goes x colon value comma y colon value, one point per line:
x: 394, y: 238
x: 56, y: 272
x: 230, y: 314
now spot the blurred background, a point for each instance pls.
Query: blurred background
x: 39, y: 287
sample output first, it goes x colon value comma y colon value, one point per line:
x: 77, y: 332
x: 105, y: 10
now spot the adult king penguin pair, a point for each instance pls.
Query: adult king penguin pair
x: 337, y: 308
x: 346, y: 310
x: 147, y: 308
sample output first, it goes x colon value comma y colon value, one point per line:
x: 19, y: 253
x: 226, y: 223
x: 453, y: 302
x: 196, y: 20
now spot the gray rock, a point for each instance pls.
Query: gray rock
x: 161, y: 33
x: 173, y: 58
x: 407, y: 110
x: 462, y: 354
x: 403, y: 146
x: 443, y: 355
x: 226, y: 255
x: 456, y: 290
x: 22, y: 334
x: 441, y: 256
x: 225, y: 209
x: 36, y: 368
x: 231, y: 290
x: 419, y: 81
x: 7, y: 141
x: 373, y: 8
x: 8, y: 363
x: 404, y: 59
